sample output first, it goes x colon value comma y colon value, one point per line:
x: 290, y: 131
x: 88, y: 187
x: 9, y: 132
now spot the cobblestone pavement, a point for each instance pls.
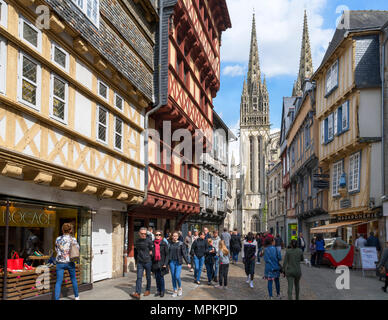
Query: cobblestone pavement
x: 315, y: 284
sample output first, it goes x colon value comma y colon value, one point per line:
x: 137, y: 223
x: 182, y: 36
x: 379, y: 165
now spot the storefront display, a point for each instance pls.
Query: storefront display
x: 29, y: 231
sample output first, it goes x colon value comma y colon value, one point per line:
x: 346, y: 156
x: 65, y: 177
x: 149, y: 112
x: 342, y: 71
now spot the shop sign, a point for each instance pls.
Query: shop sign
x: 346, y: 203
x: 360, y: 216
x: 29, y: 218
x: 368, y: 258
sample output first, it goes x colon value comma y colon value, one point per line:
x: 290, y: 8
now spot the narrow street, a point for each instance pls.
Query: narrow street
x: 316, y: 284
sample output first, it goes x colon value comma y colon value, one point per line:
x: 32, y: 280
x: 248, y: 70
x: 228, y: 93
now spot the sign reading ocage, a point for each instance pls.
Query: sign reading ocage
x: 30, y: 218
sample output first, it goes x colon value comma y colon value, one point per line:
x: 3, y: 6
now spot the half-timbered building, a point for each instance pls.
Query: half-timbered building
x: 75, y: 79
x: 348, y: 109
x: 190, y: 65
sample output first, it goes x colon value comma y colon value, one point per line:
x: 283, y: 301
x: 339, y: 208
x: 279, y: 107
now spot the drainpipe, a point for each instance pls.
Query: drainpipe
x: 382, y: 119
x: 158, y: 106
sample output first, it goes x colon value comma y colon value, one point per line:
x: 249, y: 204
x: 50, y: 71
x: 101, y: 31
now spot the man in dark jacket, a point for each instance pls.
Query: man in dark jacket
x: 143, y: 258
x: 235, y: 246
x: 373, y: 241
x: 198, y: 249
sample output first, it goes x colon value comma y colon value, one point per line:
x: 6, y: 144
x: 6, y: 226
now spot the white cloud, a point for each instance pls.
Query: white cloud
x: 279, y: 26
x: 234, y: 71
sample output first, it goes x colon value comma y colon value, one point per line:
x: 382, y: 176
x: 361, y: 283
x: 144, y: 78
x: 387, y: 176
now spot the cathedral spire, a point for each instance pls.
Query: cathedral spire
x: 254, y: 63
x: 306, y: 62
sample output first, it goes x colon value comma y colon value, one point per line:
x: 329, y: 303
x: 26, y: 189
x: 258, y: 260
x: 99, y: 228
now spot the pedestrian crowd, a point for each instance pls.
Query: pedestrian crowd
x: 202, y: 251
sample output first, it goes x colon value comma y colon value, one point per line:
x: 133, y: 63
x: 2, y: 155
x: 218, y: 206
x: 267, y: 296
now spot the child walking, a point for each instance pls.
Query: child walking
x: 223, y: 254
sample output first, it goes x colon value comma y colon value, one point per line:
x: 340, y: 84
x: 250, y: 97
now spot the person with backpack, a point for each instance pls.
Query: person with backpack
x: 272, y: 258
x: 176, y: 255
x: 291, y: 267
x: 160, y: 259
x: 198, y: 249
x: 63, y: 245
x: 249, y: 253
x: 235, y: 246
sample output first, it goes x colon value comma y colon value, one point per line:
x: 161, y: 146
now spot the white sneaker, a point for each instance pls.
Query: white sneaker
x: 77, y: 298
x: 251, y: 284
x: 248, y: 279
x: 175, y: 294
x: 180, y: 292
x: 257, y: 262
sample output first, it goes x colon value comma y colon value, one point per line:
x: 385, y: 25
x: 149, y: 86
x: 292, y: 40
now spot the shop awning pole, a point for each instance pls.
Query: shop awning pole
x: 5, y: 272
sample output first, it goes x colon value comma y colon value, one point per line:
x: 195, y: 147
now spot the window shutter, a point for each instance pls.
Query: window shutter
x: 345, y: 116
x: 335, y: 124
x: 323, y: 132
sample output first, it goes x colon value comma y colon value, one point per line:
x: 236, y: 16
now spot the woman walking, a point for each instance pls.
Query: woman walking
x: 176, y: 255
x: 313, y: 251
x: 210, y: 260
x: 291, y: 267
x: 159, y: 262
x: 320, y: 247
x: 272, y: 258
x: 249, y: 254
x: 198, y: 249
x: 223, y: 254
x: 384, y: 263
x: 62, y: 246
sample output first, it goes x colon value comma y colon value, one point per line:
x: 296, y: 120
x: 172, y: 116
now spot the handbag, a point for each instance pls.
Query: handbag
x: 15, y: 263
x: 382, y: 270
x: 74, y: 251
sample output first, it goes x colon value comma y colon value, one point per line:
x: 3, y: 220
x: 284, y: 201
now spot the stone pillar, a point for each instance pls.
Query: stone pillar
x: 256, y: 164
x: 131, y: 245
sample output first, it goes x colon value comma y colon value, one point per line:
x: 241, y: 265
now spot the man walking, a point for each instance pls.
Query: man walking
x: 235, y: 246
x: 143, y: 258
x: 278, y: 243
x: 226, y: 237
x: 216, y: 243
x: 301, y: 242
x: 373, y: 241
x: 207, y: 234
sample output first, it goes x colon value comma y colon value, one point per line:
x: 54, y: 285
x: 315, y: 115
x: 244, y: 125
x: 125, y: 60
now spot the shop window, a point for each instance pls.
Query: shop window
x: 29, y: 81
x: 3, y: 13
x: 29, y: 33
x: 102, y: 90
x: 102, y: 124
x: 3, y: 65
x: 33, y: 229
x: 118, y: 134
x: 60, y: 57
x: 59, y: 98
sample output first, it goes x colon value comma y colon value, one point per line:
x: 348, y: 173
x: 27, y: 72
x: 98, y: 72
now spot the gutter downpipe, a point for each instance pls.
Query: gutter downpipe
x: 382, y: 118
x: 157, y: 107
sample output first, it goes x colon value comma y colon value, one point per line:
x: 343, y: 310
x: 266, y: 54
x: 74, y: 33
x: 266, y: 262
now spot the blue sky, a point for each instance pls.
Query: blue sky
x: 279, y: 26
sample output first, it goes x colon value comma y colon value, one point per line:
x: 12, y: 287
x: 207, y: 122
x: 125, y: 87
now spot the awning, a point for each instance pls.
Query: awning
x: 328, y: 228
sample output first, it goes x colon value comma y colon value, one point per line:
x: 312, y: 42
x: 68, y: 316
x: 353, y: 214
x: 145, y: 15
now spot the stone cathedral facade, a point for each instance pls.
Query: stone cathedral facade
x: 256, y: 143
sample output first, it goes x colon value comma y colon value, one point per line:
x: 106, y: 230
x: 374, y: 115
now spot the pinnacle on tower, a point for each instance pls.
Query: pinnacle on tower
x: 254, y: 63
x: 306, y: 62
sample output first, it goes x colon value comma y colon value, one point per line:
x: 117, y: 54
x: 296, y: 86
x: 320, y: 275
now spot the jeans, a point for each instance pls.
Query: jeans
x: 313, y: 258
x: 198, y: 262
x: 258, y: 254
x: 176, y: 270
x: 209, y: 271
x: 235, y: 256
x: 159, y: 281
x: 291, y: 282
x: 140, y: 270
x: 319, y: 257
x: 216, y: 266
x: 61, y: 267
x: 277, y: 284
x: 224, y: 269
x: 250, y: 268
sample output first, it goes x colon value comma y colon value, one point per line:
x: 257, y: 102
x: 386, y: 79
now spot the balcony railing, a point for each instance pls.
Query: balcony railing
x: 221, y: 206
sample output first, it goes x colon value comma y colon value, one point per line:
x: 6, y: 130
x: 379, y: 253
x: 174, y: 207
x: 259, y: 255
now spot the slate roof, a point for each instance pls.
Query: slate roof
x: 360, y: 20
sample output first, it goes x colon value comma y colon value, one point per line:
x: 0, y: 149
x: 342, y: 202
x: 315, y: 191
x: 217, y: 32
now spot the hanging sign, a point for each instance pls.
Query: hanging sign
x: 28, y: 218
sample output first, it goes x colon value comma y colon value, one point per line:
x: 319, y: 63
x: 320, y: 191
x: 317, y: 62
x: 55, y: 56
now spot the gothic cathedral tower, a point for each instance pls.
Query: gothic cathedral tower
x: 254, y: 142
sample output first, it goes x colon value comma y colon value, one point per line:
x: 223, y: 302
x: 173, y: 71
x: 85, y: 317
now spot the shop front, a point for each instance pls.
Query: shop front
x: 28, y: 230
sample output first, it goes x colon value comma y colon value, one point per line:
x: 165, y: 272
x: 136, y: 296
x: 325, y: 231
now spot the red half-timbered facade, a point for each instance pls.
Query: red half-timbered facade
x: 195, y: 29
